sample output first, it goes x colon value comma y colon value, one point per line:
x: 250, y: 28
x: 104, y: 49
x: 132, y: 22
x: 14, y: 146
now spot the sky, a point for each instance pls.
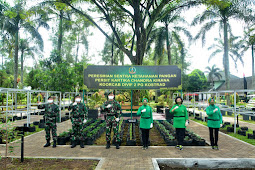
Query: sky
x: 198, y: 55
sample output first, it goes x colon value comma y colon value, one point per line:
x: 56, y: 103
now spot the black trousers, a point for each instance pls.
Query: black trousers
x: 145, y: 136
x: 180, y: 134
x: 214, y: 136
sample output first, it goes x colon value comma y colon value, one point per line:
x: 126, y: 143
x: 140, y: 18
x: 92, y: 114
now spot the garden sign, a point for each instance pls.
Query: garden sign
x: 132, y: 77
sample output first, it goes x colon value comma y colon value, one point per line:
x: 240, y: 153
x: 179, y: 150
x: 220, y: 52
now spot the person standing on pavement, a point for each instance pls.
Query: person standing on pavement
x: 214, y: 122
x: 180, y: 121
x: 112, y: 111
x: 79, y: 116
x: 146, y: 122
x: 51, y: 115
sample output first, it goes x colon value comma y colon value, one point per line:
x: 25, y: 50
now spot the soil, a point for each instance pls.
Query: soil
x: 48, y: 164
x: 167, y: 167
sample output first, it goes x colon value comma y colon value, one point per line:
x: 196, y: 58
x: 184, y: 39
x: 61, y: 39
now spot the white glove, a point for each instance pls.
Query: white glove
x: 85, y: 120
x: 117, y: 119
x: 151, y: 125
x: 187, y: 123
x: 176, y: 107
x: 215, y: 110
x: 221, y: 125
x: 108, y: 106
x: 99, y: 114
x: 144, y: 110
x: 74, y: 103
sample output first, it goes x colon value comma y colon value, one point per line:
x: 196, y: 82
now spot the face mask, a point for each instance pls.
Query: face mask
x: 179, y: 102
x: 77, y: 100
x: 212, y: 103
x: 145, y: 103
x: 50, y: 101
x: 110, y: 97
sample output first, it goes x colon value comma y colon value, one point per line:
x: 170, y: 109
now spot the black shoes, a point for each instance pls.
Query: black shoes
x: 108, y: 145
x: 73, y: 144
x: 117, y: 145
x: 54, y: 144
x: 47, y: 144
x: 81, y: 144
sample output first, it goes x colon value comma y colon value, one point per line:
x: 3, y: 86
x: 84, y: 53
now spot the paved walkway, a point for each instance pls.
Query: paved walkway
x: 134, y: 157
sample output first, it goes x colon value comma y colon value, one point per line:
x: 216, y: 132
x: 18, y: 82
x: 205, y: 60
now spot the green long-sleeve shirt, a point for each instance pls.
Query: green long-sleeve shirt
x: 146, y: 117
x: 180, y: 116
x: 214, y: 118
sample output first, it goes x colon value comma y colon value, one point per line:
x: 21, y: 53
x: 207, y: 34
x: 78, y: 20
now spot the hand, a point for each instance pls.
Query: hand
x: 176, y: 107
x: 144, y: 110
x: 99, y: 114
x: 108, y: 106
x: 187, y: 123
x: 151, y: 125
x: 74, y: 103
x: 117, y: 119
x: 215, y: 110
x: 85, y: 120
x: 221, y: 125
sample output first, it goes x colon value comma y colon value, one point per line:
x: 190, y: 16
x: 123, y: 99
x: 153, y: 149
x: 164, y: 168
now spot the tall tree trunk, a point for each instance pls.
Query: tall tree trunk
x: 2, y: 62
x: 168, y: 45
x: 252, y: 54
x: 21, y: 66
x: 60, y: 32
x: 77, y: 50
x: 16, y: 57
x: 112, y: 50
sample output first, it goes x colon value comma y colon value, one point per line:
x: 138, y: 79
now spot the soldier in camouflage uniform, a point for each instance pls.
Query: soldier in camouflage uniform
x: 79, y: 116
x: 112, y: 111
x: 51, y: 115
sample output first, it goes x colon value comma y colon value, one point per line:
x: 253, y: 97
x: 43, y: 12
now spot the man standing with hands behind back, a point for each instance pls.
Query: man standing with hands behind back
x: 112, y: 111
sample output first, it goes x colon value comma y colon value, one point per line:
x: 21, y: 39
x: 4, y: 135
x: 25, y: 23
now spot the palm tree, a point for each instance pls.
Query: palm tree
x: 221, y: 12
x: 16, y: 20
x: 235, y: 51
x: 249, y: 42
x: 213, y: 72
x: 168, y: 35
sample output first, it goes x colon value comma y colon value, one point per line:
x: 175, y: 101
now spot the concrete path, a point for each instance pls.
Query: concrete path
x: 134, y: 157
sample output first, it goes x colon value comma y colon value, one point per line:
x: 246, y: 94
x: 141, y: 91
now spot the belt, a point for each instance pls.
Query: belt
x: 145, y: 117
x: 110, y: 114
x: 179, y: 116
x: 214, y: 119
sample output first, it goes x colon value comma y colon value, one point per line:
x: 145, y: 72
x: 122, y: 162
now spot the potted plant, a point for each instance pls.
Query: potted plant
x: 61, y: 139
x: 161, y: 103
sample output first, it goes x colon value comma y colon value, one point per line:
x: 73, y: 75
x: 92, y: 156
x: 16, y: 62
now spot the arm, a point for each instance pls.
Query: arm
x: 209, y: 112
x: 70, y: 107
x: 172, y: 109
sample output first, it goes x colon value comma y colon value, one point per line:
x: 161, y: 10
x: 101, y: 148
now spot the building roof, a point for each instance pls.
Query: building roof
x: 231, y: 76
x: 237, y: 84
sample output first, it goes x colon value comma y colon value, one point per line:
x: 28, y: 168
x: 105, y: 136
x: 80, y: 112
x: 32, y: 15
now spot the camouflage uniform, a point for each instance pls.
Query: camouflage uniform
x: 78, y: 113
x: 51, y: 116
x: 110, y: 115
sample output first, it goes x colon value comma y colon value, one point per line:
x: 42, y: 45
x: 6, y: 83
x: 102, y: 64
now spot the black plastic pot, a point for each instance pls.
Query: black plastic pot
x: 131, y: 143
x: 242, y: 132
x: 1, y: 141
x: 90, y: 141
x: 42, y: 121
x: 31, y: 129
x: 226, y: 123
x: 18, y: 118
x: 41, y: 125
x: 159, y: 109
x: 251, y: 136
x: 246, y: 117
x: 36, y: 123
x: 24, y: 117
x: 223, y: 112
x: 230, y: 129
x: 254, y: 132
x: 244, y: 128
x: 93, y: 114
x: 25, y: 125
x: 237, y: 125
x: 61, y: 140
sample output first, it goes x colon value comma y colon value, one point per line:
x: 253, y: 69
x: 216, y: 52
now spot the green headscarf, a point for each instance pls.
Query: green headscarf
x: 145, y: 99
x: 211, y: 106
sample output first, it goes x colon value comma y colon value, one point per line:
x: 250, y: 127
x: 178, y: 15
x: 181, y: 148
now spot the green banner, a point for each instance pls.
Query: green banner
x: 132, y: 77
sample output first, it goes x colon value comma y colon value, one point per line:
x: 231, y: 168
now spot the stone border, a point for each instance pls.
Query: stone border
x: 189, y: 161
x: 98, y: 167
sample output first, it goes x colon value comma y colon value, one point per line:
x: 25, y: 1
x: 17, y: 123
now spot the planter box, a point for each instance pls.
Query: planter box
x: 90, y: 141
x: 253, y: 118
x: 36, y: 123
x: 171, y: 142
x: 61, y: 140
x: 131, y: 143
x: 187, y: 142
x: 246, y: 117
x: 41, y: 125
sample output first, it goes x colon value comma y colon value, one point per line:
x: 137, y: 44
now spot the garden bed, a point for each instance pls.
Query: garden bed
x: 48, y: 163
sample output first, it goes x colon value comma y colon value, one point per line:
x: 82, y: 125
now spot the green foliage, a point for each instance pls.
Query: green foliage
x: 6, y: 80
x: 161, y: 100
x: 232, y: 98
x: 197, y: 81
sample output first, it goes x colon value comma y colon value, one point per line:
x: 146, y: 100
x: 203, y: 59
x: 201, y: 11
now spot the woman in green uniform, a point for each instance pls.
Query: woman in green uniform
x: 214, y: 122
x: 180, y: 121
x: 146, y: 122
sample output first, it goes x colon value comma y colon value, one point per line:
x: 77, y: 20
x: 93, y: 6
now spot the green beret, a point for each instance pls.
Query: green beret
x: 50, y: 97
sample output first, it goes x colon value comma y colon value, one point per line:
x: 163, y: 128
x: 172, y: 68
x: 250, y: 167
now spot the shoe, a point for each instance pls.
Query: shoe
x: 47, y: 144
x: 81, y: 144
x: 54, y: 144
x: 143, y: 148
x: 108, y: 145
x: 73, y: 144
x: 216, y: 147
x: 180, y: 147
x: 117, y: 145
x: 146, y: 147
x: 212, y: 147
x: 177, y: 146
